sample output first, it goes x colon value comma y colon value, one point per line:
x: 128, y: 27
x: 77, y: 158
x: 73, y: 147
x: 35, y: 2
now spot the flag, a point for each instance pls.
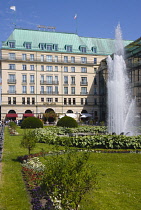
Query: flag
x: 13, y: 8
x: 75, y: 16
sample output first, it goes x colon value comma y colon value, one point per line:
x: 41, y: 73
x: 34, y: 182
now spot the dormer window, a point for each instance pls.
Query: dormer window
x: 42, y: 46
x: 27, y: 45
x: 69, y: 48
x: 55, y: 47
x: 83, y: 49
x: 94, y: 49
x: 49, y: 47
x: 11, y: 44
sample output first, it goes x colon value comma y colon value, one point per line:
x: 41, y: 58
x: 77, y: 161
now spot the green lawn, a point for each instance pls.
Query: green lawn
x: 118, y: 175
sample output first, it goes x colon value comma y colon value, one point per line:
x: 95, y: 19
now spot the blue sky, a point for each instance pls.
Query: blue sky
x: 94, y: 18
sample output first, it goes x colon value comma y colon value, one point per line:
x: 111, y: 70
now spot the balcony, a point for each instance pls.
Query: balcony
x: 53, y: 61
x: 11, y: 91
x: 83, y: 93
x: 49, y: 82
x: 49, y: 93
x: 84, y: 83
x: 11, y: 81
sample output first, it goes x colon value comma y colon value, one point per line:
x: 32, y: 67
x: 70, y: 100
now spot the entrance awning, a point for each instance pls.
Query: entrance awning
x: 11, y: 115
x: 28, y: 115
x: 85, y: 115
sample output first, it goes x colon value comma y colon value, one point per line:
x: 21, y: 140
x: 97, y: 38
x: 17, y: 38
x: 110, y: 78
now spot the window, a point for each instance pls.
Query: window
x: 56, y: 58
x: 12, y: 66
x: 65, y: 79
x: 95, y: 113
x: 69, y: 48
x: 56, y: 80
x: 69, y: 101
x: 12, y: 89
x: 56, y: 68
x: 24, y: 89
x: 83, y: 69
x: 33, y: 100
x: 49, y: 58
x: 83, y: 80
x: 42, y: 58
x: 49, y: 79
x: 24, y: 57
x: 9, y: 100
x: 42, y: 79
x: 95, y: 60
x: 83, y: 60
x: 73, y: 90
x: 86, y: 101
x: 14, y: 100
x: 72, y: 59
x: 95, y: 101
x: 12, y: 44
x: 12, y: 78
x: 42, y: 89
x: 42, y: 46
x: 12, y: 56
x: 49, y: 89
x: 31, y: 57
x: 73, y: 101
x: 23, y: 100
x: 49, y: 47
x: 49, y: 100
x: 65, y: 69
x: 31, y: 89
x: 56, y: 89
x: 95, y: 91
x: 28, y: 45
x: 65, y: 101
x: 55, y: 47
x: 24, y: 78
x: 23, y: 67
x: 72, y: 69
x: 32, y: 79
x: 94, y: 49
x: 65, y: 59
x: 72, y: 80
x: 65, y: 90
x: 49, y: 68
x: 83, y: 90
x: 28, y: 100
x: 42, y: 99
x: 83, y: 49
x: 42, y: 68
x: 56, y: 100
x: 32, y: 67
x: 95, y: 81
x: 82, y: 101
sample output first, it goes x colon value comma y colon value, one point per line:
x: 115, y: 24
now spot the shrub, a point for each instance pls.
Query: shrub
x: 68, y: 122
x: 28, y: 141
x: 32, y: 122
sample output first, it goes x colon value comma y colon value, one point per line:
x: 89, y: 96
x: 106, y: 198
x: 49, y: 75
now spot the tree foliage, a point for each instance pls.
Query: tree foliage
x: 28, y: 141
x: 67, y: 178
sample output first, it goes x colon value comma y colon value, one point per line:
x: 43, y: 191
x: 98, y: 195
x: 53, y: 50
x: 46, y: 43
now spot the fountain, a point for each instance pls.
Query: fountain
x: 121, y: 107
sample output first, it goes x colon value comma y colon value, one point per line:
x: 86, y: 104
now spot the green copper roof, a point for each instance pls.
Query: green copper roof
x: 35, y: 37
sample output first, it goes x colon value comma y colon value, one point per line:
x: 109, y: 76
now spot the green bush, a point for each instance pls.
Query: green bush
x: 32, y: 122
x: 68, y: 122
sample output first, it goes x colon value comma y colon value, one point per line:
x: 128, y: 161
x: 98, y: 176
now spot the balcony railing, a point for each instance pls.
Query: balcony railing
x: 84, y: 83
x: 49, y: 93
x: 49, y: 82
x: 59, y: 61
x: 11, y: 81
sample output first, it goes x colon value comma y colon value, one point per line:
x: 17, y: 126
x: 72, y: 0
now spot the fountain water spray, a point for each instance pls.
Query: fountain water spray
x: 121, y: 107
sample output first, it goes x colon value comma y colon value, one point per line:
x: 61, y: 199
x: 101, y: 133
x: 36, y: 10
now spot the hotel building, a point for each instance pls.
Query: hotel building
x: 48, y: 70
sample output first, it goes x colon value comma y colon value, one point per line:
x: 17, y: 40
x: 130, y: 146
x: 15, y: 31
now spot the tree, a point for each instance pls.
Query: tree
x: 67, y: 178
x: 28, y: 141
